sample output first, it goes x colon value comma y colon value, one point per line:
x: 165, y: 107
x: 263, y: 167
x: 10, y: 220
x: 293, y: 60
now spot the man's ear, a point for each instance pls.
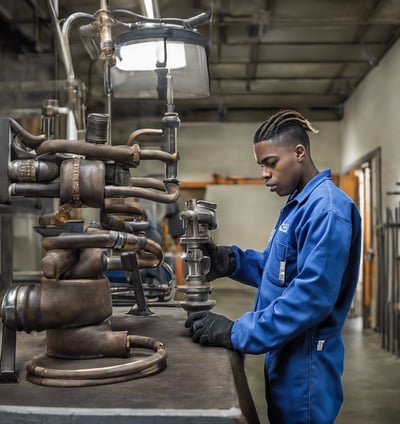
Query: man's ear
x: 300, y: 152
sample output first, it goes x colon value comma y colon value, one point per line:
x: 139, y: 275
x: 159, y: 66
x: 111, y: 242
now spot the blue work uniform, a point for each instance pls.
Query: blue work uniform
x: 305, y: 279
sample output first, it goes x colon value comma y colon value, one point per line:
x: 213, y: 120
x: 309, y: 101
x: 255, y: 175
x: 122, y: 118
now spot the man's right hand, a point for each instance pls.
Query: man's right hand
x: 222, y: 260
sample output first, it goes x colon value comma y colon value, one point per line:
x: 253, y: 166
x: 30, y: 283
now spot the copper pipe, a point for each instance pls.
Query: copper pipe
x: 87, y: 342
x: 104, y: 375
x: 147, y: 182
x: 124, y: 206
x: 118, y: 213
x: 35, y: 189
x: 150, y: 253
x: 28, y: 139
x: 99, y: 151
x: 122, y: 154
x: 108, y: 239
x: 170, y: 196
x: 144, y: 131
x: 144, y: 261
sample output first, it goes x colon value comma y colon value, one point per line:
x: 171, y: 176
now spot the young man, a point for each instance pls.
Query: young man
x: 305, y: 279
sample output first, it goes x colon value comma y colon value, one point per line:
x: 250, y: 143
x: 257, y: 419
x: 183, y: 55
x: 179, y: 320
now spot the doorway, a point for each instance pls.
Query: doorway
x: 362, y: 182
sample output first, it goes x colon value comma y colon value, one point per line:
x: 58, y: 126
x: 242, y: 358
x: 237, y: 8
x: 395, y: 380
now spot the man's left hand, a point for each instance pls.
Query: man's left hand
x: 210, y: 329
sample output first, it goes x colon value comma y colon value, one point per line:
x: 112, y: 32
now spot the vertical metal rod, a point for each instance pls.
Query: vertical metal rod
x: 149, y: 8
x: 130, y: 264
x: 7, y: 360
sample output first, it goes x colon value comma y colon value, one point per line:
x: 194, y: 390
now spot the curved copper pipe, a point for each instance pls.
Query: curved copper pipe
x: 147, y: 182
x: 124, y: 154
x: 29, y: 139
x: 170, y: 196
x: 150, y: 253
x: 87, y: 342
x: 109, y: 239
x: 127, y: 206
x: 145, y: 131
x: 117, y: 213
x: 111, y: 374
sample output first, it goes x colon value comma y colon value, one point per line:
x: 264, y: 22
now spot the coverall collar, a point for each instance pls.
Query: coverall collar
x: 309, y: 187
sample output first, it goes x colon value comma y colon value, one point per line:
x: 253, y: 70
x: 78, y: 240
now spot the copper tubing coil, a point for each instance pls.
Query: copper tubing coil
x: 121, y: 153
x: 144, y: 131
x: 103, y: 375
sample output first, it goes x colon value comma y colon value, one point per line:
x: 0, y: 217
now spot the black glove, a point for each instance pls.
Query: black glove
x: 222, y: 260
x: 210, y: 329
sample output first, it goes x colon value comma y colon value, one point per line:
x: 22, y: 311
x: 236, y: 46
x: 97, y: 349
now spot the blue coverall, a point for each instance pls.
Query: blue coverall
x: 305, y: 279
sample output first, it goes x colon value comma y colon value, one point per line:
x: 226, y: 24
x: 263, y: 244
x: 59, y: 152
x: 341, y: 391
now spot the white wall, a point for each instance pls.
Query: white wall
x: 372, y: 119
x: 227, y: 149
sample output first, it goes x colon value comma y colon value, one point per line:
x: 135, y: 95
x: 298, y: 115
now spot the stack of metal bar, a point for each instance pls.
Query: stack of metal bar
x: 389, y: 279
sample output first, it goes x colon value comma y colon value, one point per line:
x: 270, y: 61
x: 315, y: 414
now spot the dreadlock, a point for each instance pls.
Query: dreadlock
x: 284, y: 126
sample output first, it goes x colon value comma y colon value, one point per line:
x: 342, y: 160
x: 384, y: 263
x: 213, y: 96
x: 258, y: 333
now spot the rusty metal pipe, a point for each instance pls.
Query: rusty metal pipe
x: 144, y: 131
x: 104, y: 375
x: 127, y: 206
x: 117, y: 214
x: 110, y: 239
x: 35, y: 189
x: 123, y: 154
x: 28, y: 139
x: 150, y: 252
x: 147, y: 182
x: 170, y: 196
x: 87, y: 342
x: 144, y: 261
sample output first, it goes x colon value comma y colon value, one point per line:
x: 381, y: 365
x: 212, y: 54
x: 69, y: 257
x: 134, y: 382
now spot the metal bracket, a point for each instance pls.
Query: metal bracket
x: 8, y: 353
x: 130, y: 264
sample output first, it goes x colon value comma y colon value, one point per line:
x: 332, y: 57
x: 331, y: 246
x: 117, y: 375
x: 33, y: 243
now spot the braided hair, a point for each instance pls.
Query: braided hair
x: 284, y: 127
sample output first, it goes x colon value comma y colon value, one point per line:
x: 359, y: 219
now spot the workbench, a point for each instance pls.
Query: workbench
x: 199, y: 385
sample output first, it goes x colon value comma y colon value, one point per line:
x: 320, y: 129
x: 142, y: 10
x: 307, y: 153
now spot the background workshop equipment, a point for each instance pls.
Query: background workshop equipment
x: 113, y: 172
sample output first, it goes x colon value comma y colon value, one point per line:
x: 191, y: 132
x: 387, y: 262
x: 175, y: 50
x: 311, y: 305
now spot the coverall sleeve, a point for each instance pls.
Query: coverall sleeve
x: 249, y: 266
x: 323, y: 250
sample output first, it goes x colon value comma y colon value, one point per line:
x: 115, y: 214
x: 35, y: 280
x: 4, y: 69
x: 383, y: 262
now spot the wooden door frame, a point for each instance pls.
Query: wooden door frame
x: 373, y: 160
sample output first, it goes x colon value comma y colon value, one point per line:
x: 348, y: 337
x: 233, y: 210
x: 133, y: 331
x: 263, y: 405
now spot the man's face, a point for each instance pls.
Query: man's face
x: 281, y: 166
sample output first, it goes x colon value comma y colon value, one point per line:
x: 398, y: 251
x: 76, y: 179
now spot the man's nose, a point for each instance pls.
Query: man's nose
x: 266, y: 174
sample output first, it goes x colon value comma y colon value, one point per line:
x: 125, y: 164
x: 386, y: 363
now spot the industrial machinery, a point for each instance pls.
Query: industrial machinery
x: 87, y: 169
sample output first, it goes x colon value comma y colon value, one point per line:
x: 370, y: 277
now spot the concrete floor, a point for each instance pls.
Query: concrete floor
x: 371, y: 378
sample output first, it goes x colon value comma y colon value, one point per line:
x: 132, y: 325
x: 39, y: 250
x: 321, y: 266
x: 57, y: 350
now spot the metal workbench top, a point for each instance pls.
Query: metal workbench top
x: 199, y: 384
